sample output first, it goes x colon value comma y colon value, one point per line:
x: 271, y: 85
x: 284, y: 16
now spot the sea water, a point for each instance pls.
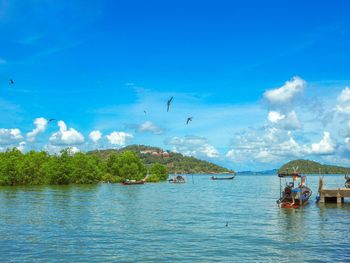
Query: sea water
x: 200, y: 221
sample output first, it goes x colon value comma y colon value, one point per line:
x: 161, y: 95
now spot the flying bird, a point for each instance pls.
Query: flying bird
x: 145, y: 112
x: 12, y: 82
x: 169, y: 102
x: 50, y: 120
x: 189, y: 119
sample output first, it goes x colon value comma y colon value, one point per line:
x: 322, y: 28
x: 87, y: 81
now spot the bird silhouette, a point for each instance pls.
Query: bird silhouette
x: 11, y: 82
x: 189, y: 119
x: 169, y: 102
x: 145, y: 112
x: 50, y: 120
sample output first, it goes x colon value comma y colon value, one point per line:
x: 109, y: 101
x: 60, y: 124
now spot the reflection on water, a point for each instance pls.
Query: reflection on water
x: 203, y: 221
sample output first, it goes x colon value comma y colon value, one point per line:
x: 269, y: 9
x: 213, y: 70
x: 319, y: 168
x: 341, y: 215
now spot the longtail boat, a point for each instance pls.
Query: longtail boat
x: 222, y: 178
x: 293, y: 196
x: 131, y: 182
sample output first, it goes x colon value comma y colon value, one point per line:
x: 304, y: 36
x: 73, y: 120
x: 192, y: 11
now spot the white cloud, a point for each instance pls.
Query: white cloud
x: 343, y: 101
x: 291, y: 122
x: 325, y: 146
x: 286, y: 93
x: 40, y: 126
x: 275, y: 116
x: 95, y: 136
x: 9, y: 136
x: 66, y: 136
x: 149, y: 127
x: 193, y: 146
x: 269, y: 145
x: 118, y: 138
x: 21, y: 146
x: 287, y: 121
x: 73, y: 150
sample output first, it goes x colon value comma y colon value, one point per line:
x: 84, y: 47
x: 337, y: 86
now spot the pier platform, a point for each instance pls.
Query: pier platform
x: 335, y: 195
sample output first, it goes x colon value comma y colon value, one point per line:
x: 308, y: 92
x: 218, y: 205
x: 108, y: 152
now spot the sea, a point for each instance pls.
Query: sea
x: 199, y: 221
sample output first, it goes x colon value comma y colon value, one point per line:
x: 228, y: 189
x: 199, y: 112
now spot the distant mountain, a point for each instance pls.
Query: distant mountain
x: 311, y: 167
x: 267, y: 172
x: 176, y: 162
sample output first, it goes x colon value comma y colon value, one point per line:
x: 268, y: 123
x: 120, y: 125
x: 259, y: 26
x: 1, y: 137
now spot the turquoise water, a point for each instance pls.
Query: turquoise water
x: 171, y: 223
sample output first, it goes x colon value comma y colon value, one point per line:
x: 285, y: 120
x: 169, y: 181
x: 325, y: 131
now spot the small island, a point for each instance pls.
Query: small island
x: 312, y: 167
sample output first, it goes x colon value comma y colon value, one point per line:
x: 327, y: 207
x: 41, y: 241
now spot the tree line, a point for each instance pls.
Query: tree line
x: 312, y: 167
x: 41, y: 168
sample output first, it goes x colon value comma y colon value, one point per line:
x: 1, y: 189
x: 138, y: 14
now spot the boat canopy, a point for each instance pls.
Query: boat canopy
x: 289, y: 175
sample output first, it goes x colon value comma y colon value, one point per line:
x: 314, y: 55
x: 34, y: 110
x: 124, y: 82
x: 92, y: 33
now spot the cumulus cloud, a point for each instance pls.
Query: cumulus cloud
x: 343, y: 101
x: 40, y: 126
x: 118, y: 138
x: 9, y: 136
x: 275, y: 116
x: 95, y: 136
x: 325, y: 146
x: 66, y: 136
x: 289, y: 121
x: 286, y: 93
x: 73, y: 150
x: 193, y: 146
x: 149, y: 127
x: 265, y: 146
x: 21, y: 146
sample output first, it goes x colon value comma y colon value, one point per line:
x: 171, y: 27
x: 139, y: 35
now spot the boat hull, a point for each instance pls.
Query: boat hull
x: 133, y: 183
x: 222, y: 178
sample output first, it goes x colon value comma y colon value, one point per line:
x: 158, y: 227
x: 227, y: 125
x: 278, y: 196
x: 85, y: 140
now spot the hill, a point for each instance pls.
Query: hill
x: 175, y: 162
x: 311, y: 167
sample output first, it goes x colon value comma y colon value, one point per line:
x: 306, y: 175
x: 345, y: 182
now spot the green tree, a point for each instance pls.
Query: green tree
x: 128, y: 165
x: 157, y: 172
x: 30, y: 169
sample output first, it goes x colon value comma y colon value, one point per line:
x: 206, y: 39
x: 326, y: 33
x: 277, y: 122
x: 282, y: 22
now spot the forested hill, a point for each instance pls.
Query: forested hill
x: 175, y: 162
x: 311, y: 167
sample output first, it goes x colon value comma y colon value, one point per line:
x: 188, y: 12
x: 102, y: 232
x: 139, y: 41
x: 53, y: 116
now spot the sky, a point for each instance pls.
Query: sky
x: 266, y: 82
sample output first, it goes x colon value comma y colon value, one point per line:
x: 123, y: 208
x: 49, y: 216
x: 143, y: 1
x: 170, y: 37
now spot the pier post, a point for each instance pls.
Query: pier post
x: 339, y: 198
x: 322, y: 199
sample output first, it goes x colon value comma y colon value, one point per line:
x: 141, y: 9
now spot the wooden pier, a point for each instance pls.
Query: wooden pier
x: 332, y: 195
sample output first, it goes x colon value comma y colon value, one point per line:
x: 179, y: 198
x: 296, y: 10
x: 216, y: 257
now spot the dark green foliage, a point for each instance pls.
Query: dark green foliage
x: 157, y: 172
x: 175, y: 162
x: 128, y: 165
x: 37, y: 168
x: 311, y: 167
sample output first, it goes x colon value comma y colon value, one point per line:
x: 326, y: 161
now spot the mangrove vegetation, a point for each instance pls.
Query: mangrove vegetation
x: 41, y: 168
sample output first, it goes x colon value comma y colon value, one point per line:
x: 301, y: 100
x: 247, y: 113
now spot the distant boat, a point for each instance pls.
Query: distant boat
x: 177, y: 179
x: 222, y: 178
x: 131, y: 182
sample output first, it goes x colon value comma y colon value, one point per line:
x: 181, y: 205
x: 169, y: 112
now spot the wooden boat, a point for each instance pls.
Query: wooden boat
x: 291, y: 196
x: 132, y: 182
x: 222, y: 178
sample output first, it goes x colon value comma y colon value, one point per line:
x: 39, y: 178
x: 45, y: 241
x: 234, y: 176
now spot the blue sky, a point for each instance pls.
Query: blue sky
x: 265, y: 82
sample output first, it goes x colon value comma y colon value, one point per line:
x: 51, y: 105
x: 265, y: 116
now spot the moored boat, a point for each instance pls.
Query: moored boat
x: 293, y: 196
x: 131, y: 182
x: 222, y: 178
x: 177, y: 179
